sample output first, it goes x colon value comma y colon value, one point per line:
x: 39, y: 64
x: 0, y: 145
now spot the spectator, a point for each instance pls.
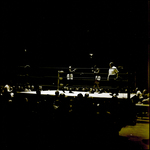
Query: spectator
x: 7, y: 87
x: 145, y: 96
x: 139, y: 94
x: 145, y: 101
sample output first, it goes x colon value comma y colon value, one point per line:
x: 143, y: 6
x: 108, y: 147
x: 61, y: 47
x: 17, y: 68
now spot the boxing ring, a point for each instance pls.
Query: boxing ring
x: 73, y: 97
x: 76, y: 93
x: 72, y: 81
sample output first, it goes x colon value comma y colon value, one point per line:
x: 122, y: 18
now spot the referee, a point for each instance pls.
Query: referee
x: 112, y: 77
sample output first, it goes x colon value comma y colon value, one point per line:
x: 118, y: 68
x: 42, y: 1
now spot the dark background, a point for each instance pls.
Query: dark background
x: 61, y: 34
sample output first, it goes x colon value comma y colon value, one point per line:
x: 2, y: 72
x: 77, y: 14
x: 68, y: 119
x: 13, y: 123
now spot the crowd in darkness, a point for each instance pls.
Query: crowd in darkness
x: 58, y: 120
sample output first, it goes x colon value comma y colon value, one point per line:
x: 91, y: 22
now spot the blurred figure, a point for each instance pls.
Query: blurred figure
x: 139, y: 93
x: 27, y: 73
x: 113, y: 72
x: 138, y: 96
x: 70, y: 78
x: 145, y: 96
x: 97, y: 77
x: 145, y: 101
x: 112, y: 77
x: 7, y: 87
x: 6, y: 92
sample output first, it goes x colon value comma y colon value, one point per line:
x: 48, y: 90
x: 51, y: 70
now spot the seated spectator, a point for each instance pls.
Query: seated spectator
x: 145, y: 94
x: 145, y: 101
x: 138, y: 97
x: 8, y: 87
x: 139, y: 94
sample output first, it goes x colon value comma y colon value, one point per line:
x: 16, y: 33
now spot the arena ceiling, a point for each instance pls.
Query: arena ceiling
x: 60, y: 34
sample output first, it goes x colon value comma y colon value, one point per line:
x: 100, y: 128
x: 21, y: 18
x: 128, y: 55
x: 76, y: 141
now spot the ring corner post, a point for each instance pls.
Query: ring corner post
x: 128, y: 85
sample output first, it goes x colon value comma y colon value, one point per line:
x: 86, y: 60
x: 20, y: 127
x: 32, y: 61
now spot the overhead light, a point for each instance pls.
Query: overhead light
x: 91, y: 54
